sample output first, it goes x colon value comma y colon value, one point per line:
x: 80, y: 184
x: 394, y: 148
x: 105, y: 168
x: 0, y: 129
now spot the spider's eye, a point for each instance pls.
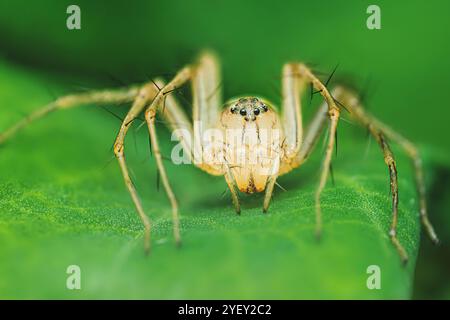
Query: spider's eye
x: 256, y: 111
x: 233, y: 109
x: 243, y: 112
x: 265, y: 108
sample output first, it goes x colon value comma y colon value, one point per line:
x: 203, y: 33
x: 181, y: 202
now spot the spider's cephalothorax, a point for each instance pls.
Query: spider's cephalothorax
x: 252, y: 137
x: 256, y: 144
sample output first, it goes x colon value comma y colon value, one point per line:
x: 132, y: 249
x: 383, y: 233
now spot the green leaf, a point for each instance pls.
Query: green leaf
x: 63, y: 202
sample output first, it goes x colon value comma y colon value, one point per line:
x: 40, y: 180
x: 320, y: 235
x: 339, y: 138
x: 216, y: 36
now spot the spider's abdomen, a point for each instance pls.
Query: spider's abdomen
x: 252, y: 139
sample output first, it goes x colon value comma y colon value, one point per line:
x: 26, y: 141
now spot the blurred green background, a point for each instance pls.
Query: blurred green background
x: 403, y: 69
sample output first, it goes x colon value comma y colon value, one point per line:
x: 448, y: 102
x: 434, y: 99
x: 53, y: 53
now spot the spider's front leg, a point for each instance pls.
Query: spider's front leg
x: 293, y: 85
x: 150, y: 114
x: 155, y: 92
x: 204, y: 76
x: 146, y: 94
x: 333, y: 115
x: 295, y: 78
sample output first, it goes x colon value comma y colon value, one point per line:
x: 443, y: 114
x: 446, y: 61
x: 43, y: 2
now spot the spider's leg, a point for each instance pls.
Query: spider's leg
x: 231, y: 185
x: 302, y: 72
x: 180, y: 78
x: 293, y: 85
x: 150, y: 118
x: 334, y: 118
x: 206, y: 107
x: 271, y: 180
x: 146, y: 94
x: 204, y: 76
x: 390, y: 162
x: 413, y: 153
x: 313, y: 131
x: 375, y: 126
x: 70, y: 101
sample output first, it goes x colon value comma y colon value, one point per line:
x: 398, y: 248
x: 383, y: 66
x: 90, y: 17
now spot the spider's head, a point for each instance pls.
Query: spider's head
x: 249, y: 108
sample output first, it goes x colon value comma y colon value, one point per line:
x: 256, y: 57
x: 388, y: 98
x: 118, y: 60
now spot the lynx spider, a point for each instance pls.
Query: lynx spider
x: 247, y: 115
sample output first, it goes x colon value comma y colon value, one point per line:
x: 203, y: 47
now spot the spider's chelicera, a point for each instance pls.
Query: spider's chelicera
x: 244, y: 140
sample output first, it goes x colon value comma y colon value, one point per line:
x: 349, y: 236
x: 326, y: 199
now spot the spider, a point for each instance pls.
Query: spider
x: 247, y: 117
